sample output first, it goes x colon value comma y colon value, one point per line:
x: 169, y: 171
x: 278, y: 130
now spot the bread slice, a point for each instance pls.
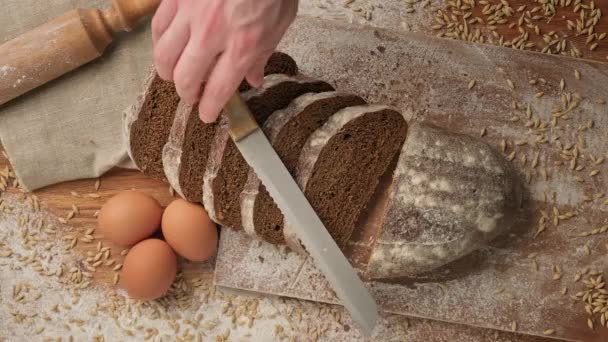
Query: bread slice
x: 147, y: 124
x: 287, y: 129
x: 226, y: 176
x: 187, y: 150
x: 341, y: 165
x: 214, y: 160
x: 278, y: 63
x: 450, y: 194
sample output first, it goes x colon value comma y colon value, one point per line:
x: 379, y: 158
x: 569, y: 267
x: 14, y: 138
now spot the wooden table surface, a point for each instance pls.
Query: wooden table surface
x: 422, y: 16
x: 59, y: 199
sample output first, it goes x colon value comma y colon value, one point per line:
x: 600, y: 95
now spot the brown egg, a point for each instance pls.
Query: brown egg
x: 129, y: 217
x: 189, y: 230
x: 149, y: 269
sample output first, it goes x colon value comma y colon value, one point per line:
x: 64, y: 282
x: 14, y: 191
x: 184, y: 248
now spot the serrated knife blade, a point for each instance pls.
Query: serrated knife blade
x: 261, y: 156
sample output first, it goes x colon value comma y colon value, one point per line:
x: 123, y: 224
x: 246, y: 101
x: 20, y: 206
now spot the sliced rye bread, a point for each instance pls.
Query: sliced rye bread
x: 278, y: 63
x: 450, y: 194
x: 187, y: 150
x: 341, y: 165
x: 226, y: 173
x: 287, y: 129
x: 147, y: 124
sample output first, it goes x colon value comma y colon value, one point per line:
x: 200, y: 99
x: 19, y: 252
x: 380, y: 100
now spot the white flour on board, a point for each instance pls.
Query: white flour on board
x: 4, y: 70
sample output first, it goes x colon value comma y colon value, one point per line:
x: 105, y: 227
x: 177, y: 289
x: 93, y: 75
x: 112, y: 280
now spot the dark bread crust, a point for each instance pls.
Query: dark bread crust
x: 451, y: 194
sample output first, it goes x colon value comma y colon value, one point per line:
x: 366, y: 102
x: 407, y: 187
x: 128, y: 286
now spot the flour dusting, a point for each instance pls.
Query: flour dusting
x: 5, y: 70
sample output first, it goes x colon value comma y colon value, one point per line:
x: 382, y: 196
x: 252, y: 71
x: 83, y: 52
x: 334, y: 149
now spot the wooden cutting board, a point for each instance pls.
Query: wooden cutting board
x: 431, y: 79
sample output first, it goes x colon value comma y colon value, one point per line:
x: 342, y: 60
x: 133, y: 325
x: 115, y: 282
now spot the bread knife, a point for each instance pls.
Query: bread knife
x: 261, y: 156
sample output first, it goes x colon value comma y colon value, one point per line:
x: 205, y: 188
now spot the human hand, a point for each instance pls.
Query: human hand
x: 218, y: 43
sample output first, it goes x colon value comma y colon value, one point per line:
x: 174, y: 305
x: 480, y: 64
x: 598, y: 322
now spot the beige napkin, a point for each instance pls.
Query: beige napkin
x: 71, y: 128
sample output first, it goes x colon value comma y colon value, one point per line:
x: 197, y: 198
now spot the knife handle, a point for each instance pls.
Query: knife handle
x: 241, y: 122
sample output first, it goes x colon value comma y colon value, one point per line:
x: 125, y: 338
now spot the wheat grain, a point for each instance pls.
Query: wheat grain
x: 510, y: 84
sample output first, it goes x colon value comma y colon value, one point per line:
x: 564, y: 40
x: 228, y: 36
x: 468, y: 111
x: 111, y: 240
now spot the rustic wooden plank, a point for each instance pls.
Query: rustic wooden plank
x: 429, y: 79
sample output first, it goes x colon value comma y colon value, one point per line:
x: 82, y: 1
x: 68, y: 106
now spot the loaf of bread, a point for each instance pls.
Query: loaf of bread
x: 448, y: 195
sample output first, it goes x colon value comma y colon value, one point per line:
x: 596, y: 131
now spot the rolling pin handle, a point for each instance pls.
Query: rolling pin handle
x: 124, y: 15
x: 65, y: 43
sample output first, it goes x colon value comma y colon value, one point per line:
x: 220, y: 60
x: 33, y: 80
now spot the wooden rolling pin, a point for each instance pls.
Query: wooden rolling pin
x: 64, y: 43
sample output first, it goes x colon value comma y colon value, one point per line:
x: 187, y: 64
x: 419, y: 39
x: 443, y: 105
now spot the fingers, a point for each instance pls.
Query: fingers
x: 192, y: 70
x: 255, y: 75
x: 223, y: 82
x: 171, y: 44
x: 162, y: 18
x: 200, y: 55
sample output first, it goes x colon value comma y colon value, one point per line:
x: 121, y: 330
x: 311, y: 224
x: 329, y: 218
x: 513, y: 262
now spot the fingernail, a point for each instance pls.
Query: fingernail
x: 259, y: 79
x: 205, y: 118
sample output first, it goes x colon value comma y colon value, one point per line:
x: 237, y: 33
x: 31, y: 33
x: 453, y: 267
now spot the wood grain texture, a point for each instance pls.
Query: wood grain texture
x: 430, y: 78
